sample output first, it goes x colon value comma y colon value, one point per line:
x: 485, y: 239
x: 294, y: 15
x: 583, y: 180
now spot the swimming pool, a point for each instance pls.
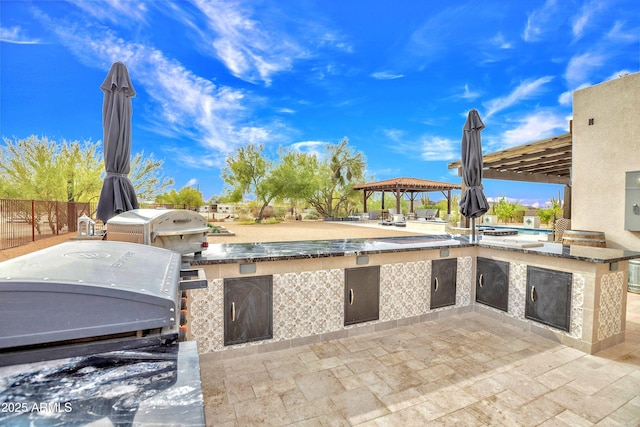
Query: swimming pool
x: 521, y: 230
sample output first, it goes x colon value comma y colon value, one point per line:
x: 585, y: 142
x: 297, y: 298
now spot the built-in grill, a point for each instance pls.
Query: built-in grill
x: 182, y: 231
x: 86, y: 296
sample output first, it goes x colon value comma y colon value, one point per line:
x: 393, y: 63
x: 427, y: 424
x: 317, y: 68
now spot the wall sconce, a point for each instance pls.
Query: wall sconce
x: 590, y: 122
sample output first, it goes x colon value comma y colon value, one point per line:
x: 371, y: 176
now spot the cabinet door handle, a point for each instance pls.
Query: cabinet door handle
x: 533, y: 297
x: 480, y: 280
x: 436, y: 289
x: 233, y: 311
x: 351, y: 296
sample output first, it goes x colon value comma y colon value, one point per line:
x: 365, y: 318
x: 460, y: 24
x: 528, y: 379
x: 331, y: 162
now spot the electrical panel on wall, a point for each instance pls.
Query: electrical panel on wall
x: 632, y: 201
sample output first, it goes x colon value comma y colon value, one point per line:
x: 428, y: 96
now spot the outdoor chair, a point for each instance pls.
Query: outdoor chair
x: 421, y: 214
x: 431, y: 214
x: 389, y: 220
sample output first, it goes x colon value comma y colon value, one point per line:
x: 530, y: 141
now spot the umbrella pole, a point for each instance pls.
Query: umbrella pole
x: 473, y: 230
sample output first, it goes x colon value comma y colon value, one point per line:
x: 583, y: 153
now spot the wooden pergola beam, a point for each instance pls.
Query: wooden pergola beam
x: 526, y: 177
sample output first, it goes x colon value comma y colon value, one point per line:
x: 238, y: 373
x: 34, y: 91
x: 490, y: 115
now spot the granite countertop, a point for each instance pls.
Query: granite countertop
x: 229, y: 253
x: 579, y: 253
x: 153, y: 386
x: 232, y: 253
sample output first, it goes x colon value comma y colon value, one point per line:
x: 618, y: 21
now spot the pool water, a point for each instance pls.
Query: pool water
x: 522, y: 231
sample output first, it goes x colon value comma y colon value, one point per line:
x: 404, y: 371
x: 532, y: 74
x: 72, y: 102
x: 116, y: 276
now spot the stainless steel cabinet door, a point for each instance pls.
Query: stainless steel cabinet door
x: 443, y: 282
x: 361, y: 294
x: 248, y: 309
x: 549, y: 297
x: 492, y: 283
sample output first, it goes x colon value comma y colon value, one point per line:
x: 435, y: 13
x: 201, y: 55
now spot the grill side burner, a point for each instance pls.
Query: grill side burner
x: 85, y: 296
x: 179, y: 230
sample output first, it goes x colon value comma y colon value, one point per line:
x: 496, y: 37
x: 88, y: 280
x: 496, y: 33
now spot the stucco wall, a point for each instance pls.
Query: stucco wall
x: 602, y: 153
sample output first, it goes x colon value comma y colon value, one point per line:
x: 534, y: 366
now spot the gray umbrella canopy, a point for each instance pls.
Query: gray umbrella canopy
x: 117, y: 193
x: 473, y: 203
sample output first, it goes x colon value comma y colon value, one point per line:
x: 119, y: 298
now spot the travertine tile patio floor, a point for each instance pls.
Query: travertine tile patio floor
x: 466, y: 370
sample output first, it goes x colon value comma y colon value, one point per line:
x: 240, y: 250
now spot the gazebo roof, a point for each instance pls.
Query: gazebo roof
x: 545, y: 161
x: 407, y: 185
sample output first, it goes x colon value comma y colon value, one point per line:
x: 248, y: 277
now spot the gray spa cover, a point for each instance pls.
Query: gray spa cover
x: 473, y: 203
x: 117, y: 193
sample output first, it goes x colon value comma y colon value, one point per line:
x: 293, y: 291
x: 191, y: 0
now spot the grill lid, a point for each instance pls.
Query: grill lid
x: 81, y: 289
x: 166, y: 219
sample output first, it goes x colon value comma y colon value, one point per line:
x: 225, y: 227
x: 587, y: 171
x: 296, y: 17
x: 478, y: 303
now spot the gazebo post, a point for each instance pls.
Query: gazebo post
x: 400, y: 186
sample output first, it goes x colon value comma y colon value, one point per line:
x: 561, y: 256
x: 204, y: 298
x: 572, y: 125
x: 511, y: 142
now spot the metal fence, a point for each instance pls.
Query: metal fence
x: 24, y: 221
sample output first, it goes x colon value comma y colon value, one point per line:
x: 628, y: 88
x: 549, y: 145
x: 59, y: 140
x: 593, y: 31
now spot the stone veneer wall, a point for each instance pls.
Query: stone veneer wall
x: 310, y: 303
x: 613, y: 287
x: 608, y: 316
x: 517, y: 299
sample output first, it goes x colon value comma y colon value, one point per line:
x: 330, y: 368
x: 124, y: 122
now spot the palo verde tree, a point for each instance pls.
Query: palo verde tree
x: 37, y: 168
x: 147, y: 177
x: 245, y: 173
x: 187, y: 196
x: 249, y: 172
x: 292, y: 178
x: 341, y: 169
x: 40, y: 169
x: 69, y: 171
x: 325, y: 184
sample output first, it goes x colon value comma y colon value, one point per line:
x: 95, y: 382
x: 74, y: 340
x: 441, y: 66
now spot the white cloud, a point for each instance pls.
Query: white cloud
x: 434, y: 148
x: 566, y: 98
x: 427, y: 147
x: 310, y: 147
x: 581, y: 20
x: 619, y: 33
x: 469, y: 94
x: 525, y: 90
x: 394, y: 134
x: 386, y: 75
x: 539, y: 21
x: 15, y: 35
x: 533, y: 127
x: 116, y: 11
x: 587, y: 11
x: 255, y: 47
x: 580, y: 67
x: 192, y: 182
x: 500, y: 42
x: 249, y: 50
x: 186, y: 106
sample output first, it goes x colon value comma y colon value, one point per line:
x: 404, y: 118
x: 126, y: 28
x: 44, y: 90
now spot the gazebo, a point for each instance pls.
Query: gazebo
x: 406, y: 186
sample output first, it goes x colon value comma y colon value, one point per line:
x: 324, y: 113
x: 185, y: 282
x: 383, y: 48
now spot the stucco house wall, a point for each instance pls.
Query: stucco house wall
x: 602, y: 153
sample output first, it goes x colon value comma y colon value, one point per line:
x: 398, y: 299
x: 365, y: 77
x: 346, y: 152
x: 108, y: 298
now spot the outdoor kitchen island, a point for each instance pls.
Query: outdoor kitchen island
x: 270, y: 296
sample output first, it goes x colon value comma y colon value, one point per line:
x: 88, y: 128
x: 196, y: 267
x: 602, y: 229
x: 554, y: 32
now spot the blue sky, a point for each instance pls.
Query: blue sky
x: 395, y: 77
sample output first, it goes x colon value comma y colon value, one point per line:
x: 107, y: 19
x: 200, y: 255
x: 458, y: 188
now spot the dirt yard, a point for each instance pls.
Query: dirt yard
x: 282, y: 232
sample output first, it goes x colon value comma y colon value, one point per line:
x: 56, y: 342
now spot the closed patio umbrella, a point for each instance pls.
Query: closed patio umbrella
x: 117, y: 193
x: 473, y: 203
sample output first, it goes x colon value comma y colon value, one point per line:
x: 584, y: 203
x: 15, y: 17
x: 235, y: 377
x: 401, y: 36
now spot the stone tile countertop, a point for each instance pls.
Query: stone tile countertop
x: 230, y: 253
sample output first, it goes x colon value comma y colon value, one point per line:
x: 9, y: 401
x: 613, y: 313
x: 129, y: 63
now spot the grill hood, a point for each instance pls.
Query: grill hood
x: 82, y: 289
